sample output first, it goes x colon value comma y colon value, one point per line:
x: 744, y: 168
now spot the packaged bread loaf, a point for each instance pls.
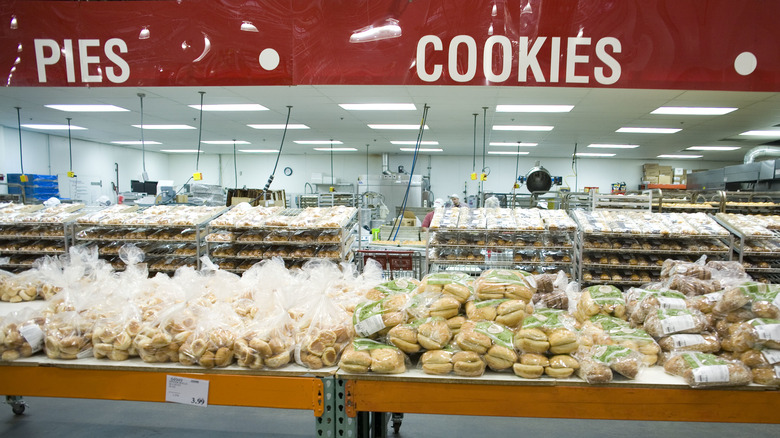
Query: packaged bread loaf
x: 764, y: 365
x: 492, y: 340
x: 691, y: 286
x: 704, y: 342
x: 753, y: 334
x: 437, y: 304
x: 641, y: 302
x: 703, y: 370
x: 268, y: 340
x: 324, y: 332
x: 547, y: 330
x: 431, y: 333
x: 764, y: 299
x: 594, y: 359
x: 378, y: 317
x: 21, y: 334
x: 665, y: 322
x: 506, y: 312
x: 364, y: 355
x: 604, y: 299
x: 505, y: 283
x: 455, y: 284
x: 687, y: 269
x: 608, y: 330
x: 704, y: 303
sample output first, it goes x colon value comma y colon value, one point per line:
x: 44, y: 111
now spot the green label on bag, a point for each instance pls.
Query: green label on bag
x: 396, y: 286
x: 498, y: 333
x: 442, y: 278
x: 489, y: 303
x: 608, y: 322
x: 548, y: 318
x: 696, y: 360
x: 604, y: 294
x: 629, y: 334
x: 608, y: 354
x: 668, y: 313
x: 369, y: 344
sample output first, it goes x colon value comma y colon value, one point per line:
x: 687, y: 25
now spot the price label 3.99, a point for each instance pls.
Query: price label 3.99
x: 187, y: 391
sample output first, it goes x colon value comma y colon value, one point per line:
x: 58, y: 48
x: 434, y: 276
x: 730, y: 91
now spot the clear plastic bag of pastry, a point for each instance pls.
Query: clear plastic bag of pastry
x: 551, y: 290
x: 456, y: 284
x: 324, y: 332
x: 68, y: 336
x: 491, y: 340
x: 15, y: 288
x: 211, y: 344
x: 363, y: 355
x: 546, y: 330
x: 113, y: 334
x: 764, y: 366
x: 608, y: 330
x: 159, y: 339
x: 21, y: 334
x: 704, y: 370
x: 764, y: 299
x: 664, y: 322
x: 754, y: 334
x: 676, y: 267
x: 641, y: 302
x: 705, y: 342
x: 509, y: 313
x: 431, y: 333
x: 599, y: 361
x: 378, y: 317
x: 692, y: 287
x: 603, y: 299
x: 505, y: 283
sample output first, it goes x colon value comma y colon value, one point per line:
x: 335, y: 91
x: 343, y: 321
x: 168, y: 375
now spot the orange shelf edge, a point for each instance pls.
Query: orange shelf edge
x: 304, y: 393
x: 589, y: 402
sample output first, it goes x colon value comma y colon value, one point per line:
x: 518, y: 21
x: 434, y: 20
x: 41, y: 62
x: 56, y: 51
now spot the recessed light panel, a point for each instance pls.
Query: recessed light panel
x: 278, y: 126
x: 399, y: 127
x: 259, y: 151
x: 534, y: 108
x: 412, y: 142
x: 318, y: 142
x: 88, y: 108
x: 231, y: 107
x: 630, y: 130
x: 135, y: 142
x: 228, y: 142
x: 521, y: 128
x: 378, y: 106
x: 509, y: 143
x: 422, y: 149
x: 508, y: 153
x: 692, y: 110
x: 589, y: 154
x: 679, y: 156
x: 181, y: 151
x: 764, y: 133
x: 164, y: 127
x: 336, y: 149
x: 713, y: 148
x: 53, y: 127
x: 613, y: 146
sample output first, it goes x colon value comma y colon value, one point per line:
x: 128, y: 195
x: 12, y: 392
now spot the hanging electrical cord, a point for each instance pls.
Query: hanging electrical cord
x: 368, y: 186
x: 279, y: 154
x: 235, y: 163
x: 70, y: 149
x: 574, y: 166
x: 474, y: 152
x: 517, y: 174
x: 200, y: 131
x: 19, y: 125
x: 397, y: 226
x: 332, y: 176
x: 144, y: 175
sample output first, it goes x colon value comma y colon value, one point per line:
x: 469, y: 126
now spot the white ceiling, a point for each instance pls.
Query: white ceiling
x: 596, y: 115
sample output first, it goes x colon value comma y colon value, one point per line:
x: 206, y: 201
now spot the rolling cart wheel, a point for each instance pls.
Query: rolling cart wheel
x: 19, y: 409
x: 397, y: 419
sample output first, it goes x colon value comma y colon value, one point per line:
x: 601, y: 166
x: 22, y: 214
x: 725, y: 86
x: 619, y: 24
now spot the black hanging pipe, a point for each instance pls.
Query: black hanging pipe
x: 200, y: 130
x: 19, y: 124
x: 143, y: 142
x: 70, y: 147
x: 332, y: 176
x: 235, y: 163
x: 474, y: 152
x: 279, y: 154
x: 484, y: 136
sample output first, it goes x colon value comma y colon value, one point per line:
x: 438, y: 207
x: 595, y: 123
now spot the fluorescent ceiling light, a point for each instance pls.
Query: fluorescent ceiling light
x: 508, y: 153
x: 692, y: 110
x: 231, y: 107
x: 589, y: 154
x: 713, y: 148
x: 336, y: 149
x: 770, y: 133
x: 224, y: 142
x: 87, y: 108
x: 378, y: 106
x: 259, y: 151
x: 509, y: 143
x: 534, y: 108
x: 521, y: 128
x: 132, y: 142
x: 649, y: 130
x: 279, y: 126
x: 413, y: 142
x: 679, y: 156
x: 164, y: 126
x: 422, y: 149
x: 410, y: 127
x: 613, y: 146
x: 54, y: 127
x: 318, y: 142
x: 181, y: 151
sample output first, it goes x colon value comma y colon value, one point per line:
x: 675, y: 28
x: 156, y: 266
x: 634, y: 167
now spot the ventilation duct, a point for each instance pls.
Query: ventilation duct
x: 761, y: 151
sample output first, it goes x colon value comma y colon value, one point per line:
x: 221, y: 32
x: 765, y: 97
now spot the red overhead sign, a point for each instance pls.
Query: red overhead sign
x: 650, y: 44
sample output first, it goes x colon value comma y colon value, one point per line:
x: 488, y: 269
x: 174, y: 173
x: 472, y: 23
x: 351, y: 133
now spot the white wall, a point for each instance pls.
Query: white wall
x: 92, y: 162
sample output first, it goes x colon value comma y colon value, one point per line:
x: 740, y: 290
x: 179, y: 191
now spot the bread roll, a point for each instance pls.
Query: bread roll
x: 468, y: 364
x: 500, y: 358
x: 387, y: 361
x: 528, y: 371
x: 434, y: 334
x: 437, y: 362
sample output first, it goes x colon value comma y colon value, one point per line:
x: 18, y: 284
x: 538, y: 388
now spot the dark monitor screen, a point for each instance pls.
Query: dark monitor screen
x: 150, y: 187
x: 136, y: 186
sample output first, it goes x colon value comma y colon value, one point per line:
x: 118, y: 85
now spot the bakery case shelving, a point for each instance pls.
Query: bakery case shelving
x: 629, y: 248
x: 756, y: 243
x: 28, y: 232
x: 170, y: 236
x: 472, y: 240
x: 246, y: 235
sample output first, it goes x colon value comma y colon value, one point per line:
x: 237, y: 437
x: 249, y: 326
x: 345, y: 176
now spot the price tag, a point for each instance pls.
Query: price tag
x: 768, y: 332
x: 370, y: 325
x: 187, y: 391
x: 33, y: 335
x: 776, y: 301
x: 671, y: 303
x: 674, y: 324
x: 711, y: 374
x: 772, y: 356
x: 682, y: 341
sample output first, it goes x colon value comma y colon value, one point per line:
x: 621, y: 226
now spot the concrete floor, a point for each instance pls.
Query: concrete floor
x: 65, y: 418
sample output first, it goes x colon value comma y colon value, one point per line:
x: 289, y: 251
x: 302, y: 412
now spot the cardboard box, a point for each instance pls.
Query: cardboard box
x: 679, y: 171
x: 665, y: 170
x: 652, y: 180
x: 664, y: 179
x: 651, y: 172
x: 650, y: 166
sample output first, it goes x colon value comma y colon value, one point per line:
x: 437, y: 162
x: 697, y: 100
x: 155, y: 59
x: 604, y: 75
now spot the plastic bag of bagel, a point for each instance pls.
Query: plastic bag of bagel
x: 641, y: 302
x: 764, y: 366
x: 430, y: 333
x: 159, y: 340
x: 21, y: 334
x: 619, y: 359
x: 397, y: 286
x: 113, y: 334
x: 704, y: 370
x: 211, y: 343
x: 323, y: 333
x: 68, y: 336
x: 752, y: 334
x: 547, y: 330
x: 363, y: 355
x: 509, y: 313
x: 608, y: 330
x: 268, y: 340
x: 602, y: 299
x: 491, y: 340
x: 15, y: 288
x: 505, y: 283
x: 376, y: 318
x: 456, y: 284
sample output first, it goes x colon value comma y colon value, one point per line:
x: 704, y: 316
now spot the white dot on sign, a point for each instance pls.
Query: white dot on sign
x: 269, y: 59
x: 745, y: 63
